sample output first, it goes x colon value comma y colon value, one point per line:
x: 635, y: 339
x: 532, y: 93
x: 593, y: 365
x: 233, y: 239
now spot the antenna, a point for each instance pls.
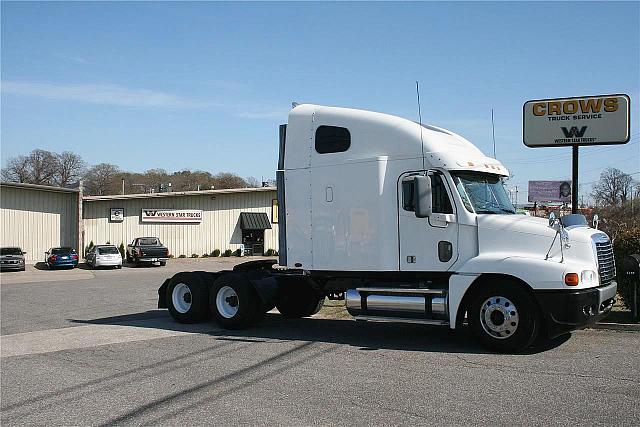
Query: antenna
x: 493, y: 132
x: 420, y: 122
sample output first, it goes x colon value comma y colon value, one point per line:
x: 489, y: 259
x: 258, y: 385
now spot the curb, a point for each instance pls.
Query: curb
x: 633, y: 327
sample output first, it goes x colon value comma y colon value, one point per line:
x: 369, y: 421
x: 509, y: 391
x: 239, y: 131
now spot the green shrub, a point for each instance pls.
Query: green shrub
x: 194, y: 255
x: 205, y: 255
x: 625, y: 244
x: 269, y: 252
x: 121, y: 250
x: 275, y: 253
x: 182, y: 256
x: 237, y: 252
x: 171, y: 256
x: 215, y: 253
x: 227, y: 253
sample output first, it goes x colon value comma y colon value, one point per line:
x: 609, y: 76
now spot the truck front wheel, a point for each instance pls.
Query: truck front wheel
x: 234, y: 301
x: 297, y: 299
x: 187, y: 298
x: 504, y: 318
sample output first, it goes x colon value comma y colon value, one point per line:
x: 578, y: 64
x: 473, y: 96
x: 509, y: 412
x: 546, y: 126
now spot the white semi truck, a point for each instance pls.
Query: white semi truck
x: 407, y: 223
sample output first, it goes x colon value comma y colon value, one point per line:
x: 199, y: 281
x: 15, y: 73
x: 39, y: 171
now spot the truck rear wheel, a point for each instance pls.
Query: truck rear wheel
x: 234, y: 302
x: 188, y: 298
x: 504, y: 318
x: 296, y: 298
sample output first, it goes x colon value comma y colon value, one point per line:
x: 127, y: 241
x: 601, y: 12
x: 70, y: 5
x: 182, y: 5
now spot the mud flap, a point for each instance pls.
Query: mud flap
x: 162, y: 294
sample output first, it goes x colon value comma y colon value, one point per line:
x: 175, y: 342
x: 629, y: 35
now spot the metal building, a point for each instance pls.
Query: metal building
x: 191, y: 222
x: 38, y: 217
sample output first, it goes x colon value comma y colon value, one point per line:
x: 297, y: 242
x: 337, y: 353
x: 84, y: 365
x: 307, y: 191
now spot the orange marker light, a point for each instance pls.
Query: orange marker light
x: 571, y: 279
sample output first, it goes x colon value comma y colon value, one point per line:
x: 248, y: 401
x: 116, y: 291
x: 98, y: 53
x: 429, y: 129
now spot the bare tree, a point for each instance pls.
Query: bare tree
x: 613, y: 189
x: 17, y: 170
x: 253, y: 182
x: 70, y: 168
x: 39, y: 167
x: 102, y: 179
x: 228, y: 180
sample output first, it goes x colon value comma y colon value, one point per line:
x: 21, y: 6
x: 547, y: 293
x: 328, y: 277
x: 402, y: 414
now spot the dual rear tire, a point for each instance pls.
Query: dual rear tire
x: 232, y: 300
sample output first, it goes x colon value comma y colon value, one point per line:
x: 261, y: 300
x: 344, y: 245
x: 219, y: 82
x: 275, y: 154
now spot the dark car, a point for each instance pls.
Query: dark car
x: 147, y: 250
x: 12, y: 259
x: 61, y: 257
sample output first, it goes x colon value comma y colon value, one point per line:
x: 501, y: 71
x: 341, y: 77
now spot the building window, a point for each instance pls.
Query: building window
x: 332, y: 139
x: 274, y: 211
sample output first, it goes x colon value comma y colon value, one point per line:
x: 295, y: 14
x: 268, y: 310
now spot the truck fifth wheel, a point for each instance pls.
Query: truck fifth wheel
x: 408, y: 223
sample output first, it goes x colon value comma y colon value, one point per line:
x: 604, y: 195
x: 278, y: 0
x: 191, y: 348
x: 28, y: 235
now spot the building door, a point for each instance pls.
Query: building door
x: 427, y: 244
x: 253, y: 241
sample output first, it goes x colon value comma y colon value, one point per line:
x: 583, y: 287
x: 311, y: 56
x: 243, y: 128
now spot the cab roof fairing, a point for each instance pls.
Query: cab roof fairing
x: 441, y: 147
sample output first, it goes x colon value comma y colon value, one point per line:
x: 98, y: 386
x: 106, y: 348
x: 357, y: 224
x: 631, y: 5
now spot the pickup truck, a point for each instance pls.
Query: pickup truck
x: 147, y: 250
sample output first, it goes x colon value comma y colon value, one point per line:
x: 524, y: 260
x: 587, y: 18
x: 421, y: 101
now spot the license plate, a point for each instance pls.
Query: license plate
x: 65, y: 257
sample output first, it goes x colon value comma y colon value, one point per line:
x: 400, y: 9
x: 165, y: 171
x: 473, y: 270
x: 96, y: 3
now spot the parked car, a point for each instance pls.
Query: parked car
x: 61, y: 257
x: 12, y: 258
x: 104, y: 256
x: 147, y: 250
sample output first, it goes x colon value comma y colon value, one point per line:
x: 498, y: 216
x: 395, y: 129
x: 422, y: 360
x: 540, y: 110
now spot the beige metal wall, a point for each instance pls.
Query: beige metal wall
x: 37, y: 219
x: 219, y: 229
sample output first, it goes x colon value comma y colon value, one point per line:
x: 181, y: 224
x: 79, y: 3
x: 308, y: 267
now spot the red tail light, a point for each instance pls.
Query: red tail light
x: 53, y: 258
x: 74, y: 256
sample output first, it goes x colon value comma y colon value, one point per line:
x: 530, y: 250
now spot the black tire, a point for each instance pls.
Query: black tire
x: 296, y: 298
x: 195, y: 297
x: 241, y: 308
x: 119, y: 266
x: 504, y: 317
x: 129, y: 259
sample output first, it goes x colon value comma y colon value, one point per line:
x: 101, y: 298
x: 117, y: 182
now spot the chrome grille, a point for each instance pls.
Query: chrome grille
x: 606, y: 263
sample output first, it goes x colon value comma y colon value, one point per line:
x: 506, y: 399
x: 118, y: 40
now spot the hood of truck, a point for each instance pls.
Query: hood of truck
x: 526, y: 236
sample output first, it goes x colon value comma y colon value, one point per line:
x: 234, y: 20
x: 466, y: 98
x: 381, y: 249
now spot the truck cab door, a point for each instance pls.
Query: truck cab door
x: 427, y: 244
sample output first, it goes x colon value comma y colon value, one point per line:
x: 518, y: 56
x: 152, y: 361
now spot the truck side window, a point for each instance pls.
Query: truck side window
x: 332, y: 139
x: 440, y: 199
x: 407, y: 195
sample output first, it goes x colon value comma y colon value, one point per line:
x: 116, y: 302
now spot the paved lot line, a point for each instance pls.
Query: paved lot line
x: 81, y: 337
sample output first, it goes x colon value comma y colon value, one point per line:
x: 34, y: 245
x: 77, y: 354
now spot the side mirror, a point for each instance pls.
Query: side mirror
x: 552, y: 219
x: 596, y: 221
x: 422, y: 196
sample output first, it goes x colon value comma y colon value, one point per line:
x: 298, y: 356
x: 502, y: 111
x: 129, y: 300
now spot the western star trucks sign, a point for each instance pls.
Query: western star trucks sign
x: 589, y: 120
x: 171, y: 215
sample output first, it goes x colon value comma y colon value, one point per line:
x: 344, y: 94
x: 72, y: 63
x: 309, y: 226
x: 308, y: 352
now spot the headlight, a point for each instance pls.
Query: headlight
x: 589, y: 278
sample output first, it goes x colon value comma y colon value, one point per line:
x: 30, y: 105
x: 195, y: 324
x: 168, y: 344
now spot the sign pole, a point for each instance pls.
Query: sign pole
x: 574, y: 181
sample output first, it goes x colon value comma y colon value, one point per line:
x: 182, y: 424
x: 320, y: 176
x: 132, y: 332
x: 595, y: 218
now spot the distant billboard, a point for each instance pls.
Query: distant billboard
x: 550, y: 191
x: 586, y: 120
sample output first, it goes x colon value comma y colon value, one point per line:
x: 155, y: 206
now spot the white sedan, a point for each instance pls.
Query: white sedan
x: 104, y: 256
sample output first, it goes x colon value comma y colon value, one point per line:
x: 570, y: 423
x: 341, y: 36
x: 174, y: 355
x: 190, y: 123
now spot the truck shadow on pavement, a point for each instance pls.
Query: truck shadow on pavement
x: 367, y: 336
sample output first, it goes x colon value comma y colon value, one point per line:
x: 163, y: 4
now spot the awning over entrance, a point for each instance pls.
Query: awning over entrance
x: 254, y: 221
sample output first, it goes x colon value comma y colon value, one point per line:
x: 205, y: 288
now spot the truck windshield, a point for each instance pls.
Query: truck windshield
x: 483, y: 193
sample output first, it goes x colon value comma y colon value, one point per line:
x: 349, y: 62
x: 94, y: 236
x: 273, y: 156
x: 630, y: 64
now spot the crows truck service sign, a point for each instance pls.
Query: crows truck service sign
x: 588, y: 120
x: 171, y: 215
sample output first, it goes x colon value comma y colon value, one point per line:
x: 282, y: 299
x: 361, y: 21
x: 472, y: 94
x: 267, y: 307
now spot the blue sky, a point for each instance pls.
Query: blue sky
x: 204, y: 85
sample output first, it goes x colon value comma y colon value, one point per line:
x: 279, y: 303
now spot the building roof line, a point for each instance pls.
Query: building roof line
x: 38, y: 187
x: 176, y: 193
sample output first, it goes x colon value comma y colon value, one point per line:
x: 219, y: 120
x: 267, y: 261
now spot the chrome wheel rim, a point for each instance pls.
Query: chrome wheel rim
x: 181, y: 298
x: 499, y: 317
x: 227, y: 302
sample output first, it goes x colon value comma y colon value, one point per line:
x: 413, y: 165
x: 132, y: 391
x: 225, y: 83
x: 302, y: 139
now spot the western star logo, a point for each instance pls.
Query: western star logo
x: 574, y: 135
x: 150, y: 213
x: 574, y: 132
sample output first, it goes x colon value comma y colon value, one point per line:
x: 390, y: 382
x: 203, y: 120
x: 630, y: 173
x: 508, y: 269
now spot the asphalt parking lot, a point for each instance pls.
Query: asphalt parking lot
x: 86, y: 347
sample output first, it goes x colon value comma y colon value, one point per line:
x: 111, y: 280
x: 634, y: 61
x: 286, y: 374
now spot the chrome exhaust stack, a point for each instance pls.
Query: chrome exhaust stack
x: 398, y: 302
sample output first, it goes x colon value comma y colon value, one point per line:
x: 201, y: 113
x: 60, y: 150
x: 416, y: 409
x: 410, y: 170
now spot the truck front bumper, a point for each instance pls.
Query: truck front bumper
x: 568, y: 310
